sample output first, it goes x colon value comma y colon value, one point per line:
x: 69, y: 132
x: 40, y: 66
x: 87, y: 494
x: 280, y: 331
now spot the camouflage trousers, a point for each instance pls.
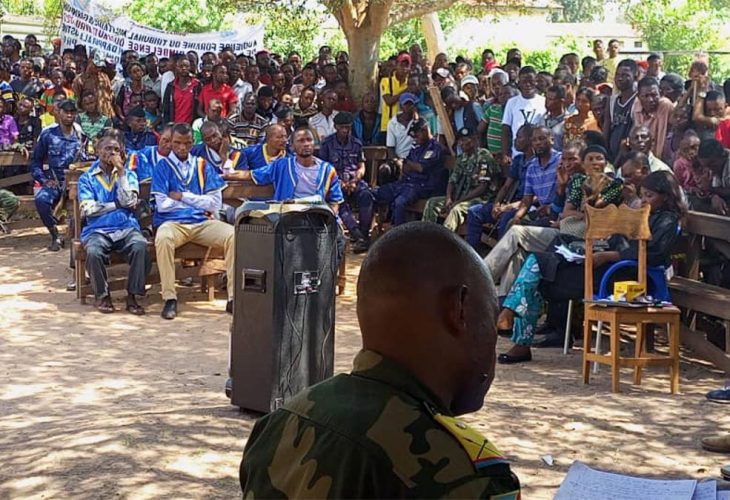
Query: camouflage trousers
x: 456, y: 216
x: 8, y: 205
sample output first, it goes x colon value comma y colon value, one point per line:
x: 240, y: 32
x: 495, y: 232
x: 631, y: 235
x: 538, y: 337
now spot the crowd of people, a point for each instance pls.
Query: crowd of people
x: 528, y: 149
x: 531, y: 147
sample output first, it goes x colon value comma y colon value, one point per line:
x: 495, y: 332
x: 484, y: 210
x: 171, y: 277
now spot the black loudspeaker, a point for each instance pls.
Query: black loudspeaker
x: 282, y: 336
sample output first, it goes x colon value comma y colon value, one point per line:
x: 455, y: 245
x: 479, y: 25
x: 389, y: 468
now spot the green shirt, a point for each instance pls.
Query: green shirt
x: 374, y: 433
x: 493, y: 117
x: 472, y: 170
x: 91, y: 128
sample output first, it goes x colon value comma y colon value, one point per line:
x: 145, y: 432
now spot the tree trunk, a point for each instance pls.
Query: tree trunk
x: 434, y: 35
x: 364, y: 47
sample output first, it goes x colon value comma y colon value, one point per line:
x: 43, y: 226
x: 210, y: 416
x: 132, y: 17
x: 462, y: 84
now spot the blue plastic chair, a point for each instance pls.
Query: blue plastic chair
x: 657, y: 288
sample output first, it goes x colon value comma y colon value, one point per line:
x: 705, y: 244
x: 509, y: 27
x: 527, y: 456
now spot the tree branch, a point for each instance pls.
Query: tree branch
x: 403, y: 10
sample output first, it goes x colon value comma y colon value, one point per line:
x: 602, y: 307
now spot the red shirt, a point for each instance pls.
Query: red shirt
x: 225, y: 94
x: 184, y: 100
x: 722, y: 133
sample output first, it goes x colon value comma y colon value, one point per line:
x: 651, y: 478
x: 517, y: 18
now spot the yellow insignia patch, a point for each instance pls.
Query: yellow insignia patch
x: 481, y: 452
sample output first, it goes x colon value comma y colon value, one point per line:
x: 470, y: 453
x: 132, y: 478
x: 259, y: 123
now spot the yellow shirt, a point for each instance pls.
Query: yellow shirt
x: 47, y: 119
x: 389, y: 86
x: 610, y: 64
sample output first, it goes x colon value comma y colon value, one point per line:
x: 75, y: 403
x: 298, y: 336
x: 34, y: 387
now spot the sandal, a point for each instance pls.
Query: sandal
x: 105, y: 307
x: 134, y: 308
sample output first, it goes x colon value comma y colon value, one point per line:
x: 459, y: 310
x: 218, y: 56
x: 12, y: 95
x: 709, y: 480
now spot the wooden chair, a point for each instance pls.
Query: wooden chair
x: 634, y: 224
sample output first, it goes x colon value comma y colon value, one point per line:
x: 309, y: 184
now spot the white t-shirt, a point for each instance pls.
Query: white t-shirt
x: 519, y: 111
x: 397, y: 137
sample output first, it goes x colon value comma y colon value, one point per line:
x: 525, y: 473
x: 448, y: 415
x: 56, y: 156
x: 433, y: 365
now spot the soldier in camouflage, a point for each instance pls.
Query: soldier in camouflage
x: 475, y: 179
x: 390, y: 429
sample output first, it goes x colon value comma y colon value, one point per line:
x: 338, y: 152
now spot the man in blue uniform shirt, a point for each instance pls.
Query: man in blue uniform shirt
x: 187, y: 192
x: 108, y: 194
x: 274, y: 148
x: 215, y: 147
x: 58, y: 146
x: 344, y: 151
x: 155, y: 153
x: 138, y: 136
x: 301, y: 176
x: 423, y: 174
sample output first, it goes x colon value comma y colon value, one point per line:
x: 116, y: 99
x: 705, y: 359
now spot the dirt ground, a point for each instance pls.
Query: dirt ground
x: 96, y: 406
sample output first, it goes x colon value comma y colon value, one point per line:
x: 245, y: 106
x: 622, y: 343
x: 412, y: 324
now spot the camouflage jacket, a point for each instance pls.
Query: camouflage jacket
x: 374, y: 433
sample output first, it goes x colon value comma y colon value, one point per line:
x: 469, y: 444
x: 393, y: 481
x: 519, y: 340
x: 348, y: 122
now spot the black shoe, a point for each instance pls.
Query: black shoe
x: 719, y: 396
x: 170, y: 309
x: 507, y: 359
x: 229, y: 307
x: 56, y: 245
x: 553, y: 339
x: 504, y: 333
x: 360, y: 246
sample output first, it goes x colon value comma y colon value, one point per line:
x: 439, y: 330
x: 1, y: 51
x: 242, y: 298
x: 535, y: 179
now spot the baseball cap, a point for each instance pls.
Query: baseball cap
x: 469, y: 79
x: 407, y: 97
x: 67, y: 105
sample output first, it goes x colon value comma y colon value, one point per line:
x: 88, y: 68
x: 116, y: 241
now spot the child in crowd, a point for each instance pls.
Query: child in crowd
x: 151, y: 111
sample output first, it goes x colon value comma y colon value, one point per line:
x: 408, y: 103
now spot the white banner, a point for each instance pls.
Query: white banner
x: 111, y: 36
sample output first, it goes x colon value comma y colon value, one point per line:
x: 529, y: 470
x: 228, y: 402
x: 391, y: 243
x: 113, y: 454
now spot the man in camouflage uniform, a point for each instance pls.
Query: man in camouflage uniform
x: 476, y: 178
x: 389, y: 428
x: 8, y: 205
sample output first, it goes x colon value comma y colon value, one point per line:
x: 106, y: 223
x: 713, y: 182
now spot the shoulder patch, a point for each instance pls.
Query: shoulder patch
x: 481, y: 451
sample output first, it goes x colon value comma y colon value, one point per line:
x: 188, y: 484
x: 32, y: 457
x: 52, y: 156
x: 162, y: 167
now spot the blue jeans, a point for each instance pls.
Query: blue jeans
x: 398, y: 196
x: 45, y: 200
x: 478, y: 215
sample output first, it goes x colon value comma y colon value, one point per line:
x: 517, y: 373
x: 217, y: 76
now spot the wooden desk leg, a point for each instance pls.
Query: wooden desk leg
x: 674, y: 353
x: 586, y: 350
x: 615, y: 351
x: 638, y: 350
x: 80, y: 280
x: 210, y: 285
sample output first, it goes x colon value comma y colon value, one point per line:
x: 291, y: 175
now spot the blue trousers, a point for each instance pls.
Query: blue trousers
x: 45, y: 200
x: 398, y: 195
x: 363, y: 197
x: 478, y: 215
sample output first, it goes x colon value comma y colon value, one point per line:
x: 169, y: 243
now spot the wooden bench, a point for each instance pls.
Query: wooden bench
x: 694, y: 296
x: 10, y: 159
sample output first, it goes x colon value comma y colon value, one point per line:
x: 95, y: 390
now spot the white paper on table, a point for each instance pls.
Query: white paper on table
x: 584, y: 482
x: 705, y: 490
x: 723, y: 495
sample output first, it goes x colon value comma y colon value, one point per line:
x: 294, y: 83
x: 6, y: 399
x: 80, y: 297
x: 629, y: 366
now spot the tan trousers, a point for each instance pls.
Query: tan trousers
x: 211, y: 233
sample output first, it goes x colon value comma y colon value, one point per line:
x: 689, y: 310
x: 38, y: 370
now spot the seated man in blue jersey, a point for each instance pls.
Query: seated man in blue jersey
x: 344, y: 151
x: 187, y: 192
x: 138, y: 136
x: 216, y: 147
x: 163, y: 148
x: 108, y: 194
x: 301, y: 176
x: 423, y: 174
x: 274, y: 148
x: 58, y: 146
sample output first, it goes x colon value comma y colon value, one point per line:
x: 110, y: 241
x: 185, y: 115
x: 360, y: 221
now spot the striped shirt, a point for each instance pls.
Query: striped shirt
x: 540, y: 180
x: 493, y: 117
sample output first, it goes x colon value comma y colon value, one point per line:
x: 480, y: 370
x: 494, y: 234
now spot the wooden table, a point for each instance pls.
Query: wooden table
x: 12, y: 159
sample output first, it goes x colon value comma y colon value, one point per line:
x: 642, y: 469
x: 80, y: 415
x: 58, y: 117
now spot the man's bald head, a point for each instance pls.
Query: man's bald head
x: 426, y: 299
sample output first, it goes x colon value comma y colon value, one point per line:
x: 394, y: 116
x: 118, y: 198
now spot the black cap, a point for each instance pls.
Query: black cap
x: 417, y: 126
x: 67, y: 105
x: 136, y: 112
x: 343, y: 118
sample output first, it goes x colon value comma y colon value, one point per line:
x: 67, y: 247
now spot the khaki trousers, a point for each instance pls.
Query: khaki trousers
x: 211, y: 233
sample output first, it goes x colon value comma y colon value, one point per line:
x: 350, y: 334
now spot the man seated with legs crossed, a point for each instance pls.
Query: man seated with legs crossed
x: 108, y: 194
x: 187, y: 192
